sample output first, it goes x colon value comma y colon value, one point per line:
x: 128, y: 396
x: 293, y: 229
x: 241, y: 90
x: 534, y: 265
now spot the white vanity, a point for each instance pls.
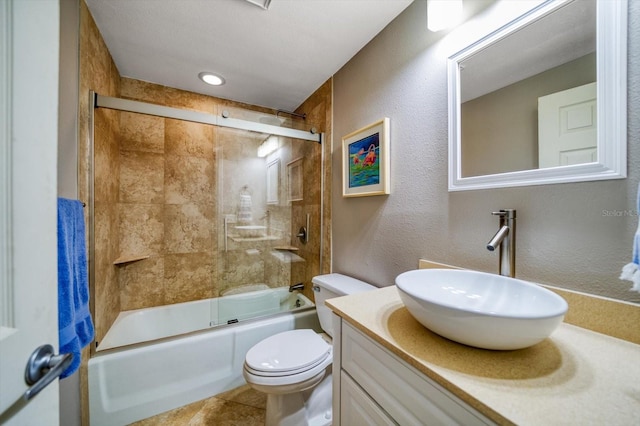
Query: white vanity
x: 389, y: 369
x: 376, y: 387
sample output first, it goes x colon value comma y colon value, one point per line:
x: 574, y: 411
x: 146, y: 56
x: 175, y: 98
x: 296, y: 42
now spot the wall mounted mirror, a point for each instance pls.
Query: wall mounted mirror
x: 541, y: 100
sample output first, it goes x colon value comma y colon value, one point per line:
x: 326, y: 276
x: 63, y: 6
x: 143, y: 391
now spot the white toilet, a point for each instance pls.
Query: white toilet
x: 294, y: 367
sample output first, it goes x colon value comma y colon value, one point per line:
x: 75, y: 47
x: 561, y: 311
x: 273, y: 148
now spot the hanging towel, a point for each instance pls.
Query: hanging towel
x: 244, y: 212
x: 631, y: 271
x: 74, y: 319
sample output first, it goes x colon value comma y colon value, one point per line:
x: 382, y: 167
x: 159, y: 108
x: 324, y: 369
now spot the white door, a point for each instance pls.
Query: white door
x: 567, y: 132
x: 29, y: 43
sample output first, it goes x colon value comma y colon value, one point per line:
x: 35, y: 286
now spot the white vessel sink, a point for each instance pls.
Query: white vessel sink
x: 479, y: 309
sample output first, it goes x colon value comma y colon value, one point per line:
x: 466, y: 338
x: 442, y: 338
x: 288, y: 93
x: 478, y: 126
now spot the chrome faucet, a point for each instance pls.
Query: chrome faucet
x: 299, y: 286
x: 505, y: 242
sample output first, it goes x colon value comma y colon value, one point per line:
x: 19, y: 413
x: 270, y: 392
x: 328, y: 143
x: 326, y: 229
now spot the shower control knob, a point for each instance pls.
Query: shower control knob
x: 303, y: 235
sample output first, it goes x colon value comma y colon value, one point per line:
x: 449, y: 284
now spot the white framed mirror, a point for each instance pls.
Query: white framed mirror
x: 541, y: 100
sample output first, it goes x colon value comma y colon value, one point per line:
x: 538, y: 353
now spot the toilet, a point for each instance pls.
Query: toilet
x: 294, y: 367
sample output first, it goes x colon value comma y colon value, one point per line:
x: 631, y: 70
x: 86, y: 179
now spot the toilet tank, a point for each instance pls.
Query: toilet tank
x: 334, y: 285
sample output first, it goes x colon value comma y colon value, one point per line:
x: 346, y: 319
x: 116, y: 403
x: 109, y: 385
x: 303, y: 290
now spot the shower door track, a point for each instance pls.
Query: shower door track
x: 128, y: 105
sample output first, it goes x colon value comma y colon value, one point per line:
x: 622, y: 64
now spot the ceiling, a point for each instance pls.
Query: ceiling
x: 274, y: 58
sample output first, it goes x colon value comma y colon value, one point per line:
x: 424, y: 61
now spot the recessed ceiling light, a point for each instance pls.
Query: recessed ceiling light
x: 211, y: 78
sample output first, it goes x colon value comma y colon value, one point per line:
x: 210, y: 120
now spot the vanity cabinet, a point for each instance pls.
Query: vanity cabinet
x: 372, y: 386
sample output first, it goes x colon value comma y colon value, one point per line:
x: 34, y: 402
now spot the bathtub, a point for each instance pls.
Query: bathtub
x: 255, y: 300
x: 171, y: 369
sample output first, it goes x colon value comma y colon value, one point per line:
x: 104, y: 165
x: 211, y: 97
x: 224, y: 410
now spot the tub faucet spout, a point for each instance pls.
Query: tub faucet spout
x: 299, y: 286
x: 505, y: 241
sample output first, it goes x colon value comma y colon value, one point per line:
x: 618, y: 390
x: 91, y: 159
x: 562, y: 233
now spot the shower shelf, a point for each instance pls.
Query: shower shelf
x: 245, y: 239
x: 128, y: 259
x: 287, y: 248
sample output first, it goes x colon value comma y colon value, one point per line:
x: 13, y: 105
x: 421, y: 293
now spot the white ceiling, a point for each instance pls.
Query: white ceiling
x: 274, y: 58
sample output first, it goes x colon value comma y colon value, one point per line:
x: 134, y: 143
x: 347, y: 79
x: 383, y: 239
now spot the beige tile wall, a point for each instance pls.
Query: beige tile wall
x: 318, y: 110
x: 98, y: 73
x: 166, y: 204
x: 172, y: 215
x: 156, y: 195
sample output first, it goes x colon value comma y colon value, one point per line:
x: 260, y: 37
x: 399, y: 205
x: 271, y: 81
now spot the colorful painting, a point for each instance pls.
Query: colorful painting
x: 366, y: 161
x: 364, y: 164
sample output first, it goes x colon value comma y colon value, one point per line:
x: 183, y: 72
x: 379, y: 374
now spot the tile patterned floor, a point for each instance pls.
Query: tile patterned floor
x: 242, y: 406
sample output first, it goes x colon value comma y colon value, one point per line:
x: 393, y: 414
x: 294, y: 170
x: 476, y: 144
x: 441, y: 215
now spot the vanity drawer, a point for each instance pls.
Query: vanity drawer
x: 406, y: 395
x: 357, y: 408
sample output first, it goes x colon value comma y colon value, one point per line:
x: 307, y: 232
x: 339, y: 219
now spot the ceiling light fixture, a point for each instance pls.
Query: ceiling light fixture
x: 443, y: 14
x: 211, y: 78
x: 268, y: 146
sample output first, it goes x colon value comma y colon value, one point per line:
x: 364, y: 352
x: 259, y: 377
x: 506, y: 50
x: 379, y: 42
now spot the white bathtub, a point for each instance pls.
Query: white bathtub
x: 143, y: 325
x: 135, y: 382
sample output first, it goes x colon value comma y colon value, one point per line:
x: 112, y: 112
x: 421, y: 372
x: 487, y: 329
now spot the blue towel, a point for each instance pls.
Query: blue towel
x: 74, y: 319
x: 631, y: 271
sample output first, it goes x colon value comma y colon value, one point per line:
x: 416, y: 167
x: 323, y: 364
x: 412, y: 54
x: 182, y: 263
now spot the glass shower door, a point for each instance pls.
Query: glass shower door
x: 262, y: 204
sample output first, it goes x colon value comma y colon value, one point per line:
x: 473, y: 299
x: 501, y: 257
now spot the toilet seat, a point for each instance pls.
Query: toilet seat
x: 264, y: 373
x: 288, y: 353
x: 287, y: 383
x: 290, y: 361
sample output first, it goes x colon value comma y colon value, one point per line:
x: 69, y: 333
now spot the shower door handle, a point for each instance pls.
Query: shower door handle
x: 43, y: 368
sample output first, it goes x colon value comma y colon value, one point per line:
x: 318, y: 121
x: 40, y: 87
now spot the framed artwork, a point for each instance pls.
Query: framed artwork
x: 294, y: 177
x: 273, y: 178
x: 365, y: 161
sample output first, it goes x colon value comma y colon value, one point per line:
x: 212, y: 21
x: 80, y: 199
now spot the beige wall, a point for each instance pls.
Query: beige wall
x: 565, y: 235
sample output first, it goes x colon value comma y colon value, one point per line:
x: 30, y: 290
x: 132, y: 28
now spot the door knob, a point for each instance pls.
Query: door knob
x: 43, y: 368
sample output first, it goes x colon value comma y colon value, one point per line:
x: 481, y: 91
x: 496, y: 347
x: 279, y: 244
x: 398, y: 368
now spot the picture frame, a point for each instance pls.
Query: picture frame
x: 365, y: 161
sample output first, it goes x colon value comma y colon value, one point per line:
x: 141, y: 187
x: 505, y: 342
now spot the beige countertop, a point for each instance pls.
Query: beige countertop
x: 576, y: 376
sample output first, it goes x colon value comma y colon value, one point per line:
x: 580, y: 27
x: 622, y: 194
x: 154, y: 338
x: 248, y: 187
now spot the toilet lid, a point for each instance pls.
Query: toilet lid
x: 288, y: 351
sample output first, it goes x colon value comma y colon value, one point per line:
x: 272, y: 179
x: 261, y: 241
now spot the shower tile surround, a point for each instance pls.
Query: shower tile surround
x: 99, y: 73
x: 128, y: 146
x: 170, y: 195
x: 156, y: 194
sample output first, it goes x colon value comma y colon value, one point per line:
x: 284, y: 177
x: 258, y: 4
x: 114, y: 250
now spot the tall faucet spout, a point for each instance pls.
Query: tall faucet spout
x: 497, y: 239
x: 505, y: 241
